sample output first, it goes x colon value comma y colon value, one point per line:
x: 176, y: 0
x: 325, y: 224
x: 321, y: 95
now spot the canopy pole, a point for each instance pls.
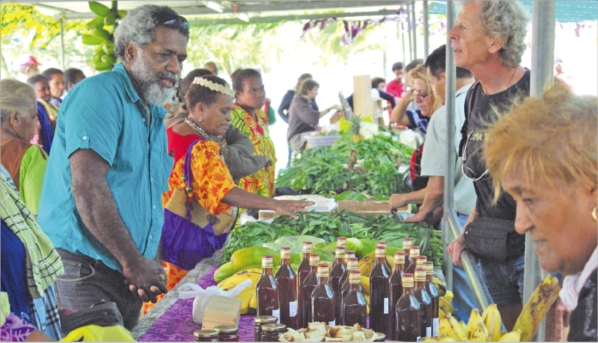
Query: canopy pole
x: 426, y: 30
x: 62, y: 62
x: 409, y: 31
x: 414, y: 18
x: 543, y: 35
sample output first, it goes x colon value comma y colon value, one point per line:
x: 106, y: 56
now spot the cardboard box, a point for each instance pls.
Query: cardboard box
x: 221, y: 311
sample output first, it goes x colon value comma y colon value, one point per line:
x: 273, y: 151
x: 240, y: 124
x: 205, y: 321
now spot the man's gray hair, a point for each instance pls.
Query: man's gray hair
x: 506, y: 20
x: 15, y: 96
x: 139, y: 27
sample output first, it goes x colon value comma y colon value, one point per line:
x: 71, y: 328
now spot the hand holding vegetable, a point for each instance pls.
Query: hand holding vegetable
x: 289, y: 207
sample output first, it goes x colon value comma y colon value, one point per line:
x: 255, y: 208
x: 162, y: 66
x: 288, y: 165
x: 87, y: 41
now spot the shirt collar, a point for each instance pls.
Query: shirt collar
x: 131, y: 92
x: 463, y: 89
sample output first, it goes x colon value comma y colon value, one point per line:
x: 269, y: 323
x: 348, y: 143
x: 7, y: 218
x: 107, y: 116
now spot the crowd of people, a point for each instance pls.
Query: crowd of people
x: 106, y: 196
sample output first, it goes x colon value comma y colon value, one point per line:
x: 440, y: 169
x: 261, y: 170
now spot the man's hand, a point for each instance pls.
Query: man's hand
x: 147, y: 278
x: 396, y: 201
x: 454, y: 249
x: 289, y: 207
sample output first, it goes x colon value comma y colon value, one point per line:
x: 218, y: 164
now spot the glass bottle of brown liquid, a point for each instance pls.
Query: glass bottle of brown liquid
x: 408, y: 314
x: 322, y: 298
x: 395, y: 290
x: 413, y: 255
x: 287, y: 282
x: 388, y: 266
x: 352, y: 264
x: 425, y: 302
x: 407, y: 243
x: 348, y: 259
x: 267, y: 291
x: 340, y: 242
x: 308, y: 287
x: 379, y: 305
x: 433, y: 290
x: 354, y: 305
x: 302, y: 272
x: 335, y: 276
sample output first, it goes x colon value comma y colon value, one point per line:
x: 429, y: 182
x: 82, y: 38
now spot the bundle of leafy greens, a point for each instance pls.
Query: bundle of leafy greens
x: 368, y: 229
x: 323, y: 170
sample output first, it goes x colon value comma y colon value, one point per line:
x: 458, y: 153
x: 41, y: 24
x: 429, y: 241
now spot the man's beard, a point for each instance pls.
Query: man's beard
x: 149, y: 82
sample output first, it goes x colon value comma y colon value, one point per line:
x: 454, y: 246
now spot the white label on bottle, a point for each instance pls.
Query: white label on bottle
x: 293, y: 308
x: 428, y: 331
x: 276, y: 313
x: 418, y: 338
x: 435, y: 324
x: 385, y: 305
x: 332, y: 323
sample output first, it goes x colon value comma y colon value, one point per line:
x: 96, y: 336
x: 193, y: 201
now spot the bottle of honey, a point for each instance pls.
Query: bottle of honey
x: 322, y: 298
x: 352, y: 265
x: 354, y: 304
x: 308, y: 287
x: 408, y: 314
x: 379, y: 281
x: 388, y: 266
x: 335, y: 276
x: 340, y: 242
x: 434, y: 294
x: 267, y: 291
x: 407, y: 242
x: 287, y: 281
x: 413, y: 255
x: 302, y: 271
x: 348, y: 260
x: 425, y: 302
x: 395, y: 290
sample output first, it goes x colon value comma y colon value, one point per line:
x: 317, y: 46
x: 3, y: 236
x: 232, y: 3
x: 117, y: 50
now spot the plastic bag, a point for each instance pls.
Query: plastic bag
x: 203, y: 295
x: 94, y: 333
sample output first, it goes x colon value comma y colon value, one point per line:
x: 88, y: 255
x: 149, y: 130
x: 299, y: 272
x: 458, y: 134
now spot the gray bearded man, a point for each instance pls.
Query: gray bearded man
x: 109, y: 166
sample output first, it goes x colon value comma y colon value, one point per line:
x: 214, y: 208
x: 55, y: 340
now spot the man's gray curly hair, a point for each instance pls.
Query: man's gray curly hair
x: 507, y: 21
x: 139, y: 27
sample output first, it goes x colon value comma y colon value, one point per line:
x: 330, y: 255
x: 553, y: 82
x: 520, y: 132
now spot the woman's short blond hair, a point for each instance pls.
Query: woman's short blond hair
x: 420, y: 73
x: 546, y: 139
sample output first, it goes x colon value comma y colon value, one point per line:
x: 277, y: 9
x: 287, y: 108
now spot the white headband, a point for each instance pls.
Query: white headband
x: 214, y: 86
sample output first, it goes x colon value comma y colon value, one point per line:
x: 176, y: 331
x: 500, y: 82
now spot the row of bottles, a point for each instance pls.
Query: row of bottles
x: 314, y: 294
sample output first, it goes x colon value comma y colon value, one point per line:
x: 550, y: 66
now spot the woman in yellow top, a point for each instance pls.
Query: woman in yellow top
x: 249, y: 117
x: 209, y: 101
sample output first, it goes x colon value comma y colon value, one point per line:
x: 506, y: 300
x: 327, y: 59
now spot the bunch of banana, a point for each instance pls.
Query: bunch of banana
x: 366, y: 264
x: 451, y: 328
x: 249, y: 292
x: 536, y: 308
x: 100, y: 34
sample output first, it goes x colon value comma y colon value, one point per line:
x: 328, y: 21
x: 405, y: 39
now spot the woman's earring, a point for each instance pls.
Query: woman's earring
x: 594, y: 214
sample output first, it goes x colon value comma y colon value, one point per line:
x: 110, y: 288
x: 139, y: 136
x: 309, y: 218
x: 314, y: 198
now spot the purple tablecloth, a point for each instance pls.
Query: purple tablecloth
x: 176, y: 324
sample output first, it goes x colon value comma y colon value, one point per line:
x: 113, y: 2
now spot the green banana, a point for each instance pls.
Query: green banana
x: 91, y: 40
x: 98, y: 21
x: 110, y: 19
x: 100, y: 33
x: 121, y: 14
x: 98, y: 9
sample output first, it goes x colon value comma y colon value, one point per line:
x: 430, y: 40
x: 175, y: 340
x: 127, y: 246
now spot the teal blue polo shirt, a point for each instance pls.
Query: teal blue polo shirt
x: 104, y: 113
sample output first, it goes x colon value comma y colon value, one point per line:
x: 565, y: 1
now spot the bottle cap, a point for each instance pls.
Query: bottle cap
x: 273, y: 327
x: 429, y: 268
x: 285, y: 252
x: 352, y: 263
x: 407, y: 243
x: 349, y: 253
x: 340, y: 251
x: 266, y: 319
x: 354, y: 277
x: 421, y: 260
x: 306, y: 248
x: 420, y: 274
x: 381, y: 243
x: 267, y: 261
x: 227, y: 328
x: 205, y: 334
x: 407, y: 280
x: 399, y: 257
x: 341, y: 241
x: 414, y: 252
x: 322, y: 270
x: 380, y: 251
x: 314, y: 259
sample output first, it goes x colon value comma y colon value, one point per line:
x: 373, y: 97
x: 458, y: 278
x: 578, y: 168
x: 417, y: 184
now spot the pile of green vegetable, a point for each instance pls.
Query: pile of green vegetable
x: 323, y: 170
x: 368, y: 229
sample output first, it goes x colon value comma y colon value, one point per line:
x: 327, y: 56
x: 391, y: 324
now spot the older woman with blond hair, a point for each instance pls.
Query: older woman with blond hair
x: 25, y: 162
x: 544, y: 154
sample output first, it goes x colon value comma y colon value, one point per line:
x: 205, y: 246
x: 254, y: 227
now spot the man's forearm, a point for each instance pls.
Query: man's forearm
x: 434, y: 195
x: 97, y: 208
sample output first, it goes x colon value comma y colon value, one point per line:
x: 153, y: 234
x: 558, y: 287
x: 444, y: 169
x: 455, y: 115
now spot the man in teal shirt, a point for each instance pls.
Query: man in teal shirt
x: 101, y: 200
